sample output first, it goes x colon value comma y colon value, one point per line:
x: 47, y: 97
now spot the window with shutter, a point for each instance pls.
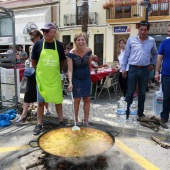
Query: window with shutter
x: 123, y: 12
x: 159, y: 9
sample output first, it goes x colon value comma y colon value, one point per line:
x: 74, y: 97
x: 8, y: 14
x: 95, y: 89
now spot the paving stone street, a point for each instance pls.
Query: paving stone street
x: 103, y: 112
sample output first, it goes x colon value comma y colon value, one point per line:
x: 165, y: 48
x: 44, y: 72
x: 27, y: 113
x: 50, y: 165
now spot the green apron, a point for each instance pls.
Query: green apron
x: 48, y: 75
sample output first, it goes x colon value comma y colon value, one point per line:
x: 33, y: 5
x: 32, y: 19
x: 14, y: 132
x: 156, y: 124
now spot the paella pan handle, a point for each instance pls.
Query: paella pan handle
x: 33, y: 144
x: 114, y: 133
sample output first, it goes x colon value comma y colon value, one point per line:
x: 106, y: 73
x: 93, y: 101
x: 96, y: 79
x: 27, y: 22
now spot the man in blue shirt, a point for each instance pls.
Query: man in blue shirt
x: 138, y: 52
x: 164, y: 60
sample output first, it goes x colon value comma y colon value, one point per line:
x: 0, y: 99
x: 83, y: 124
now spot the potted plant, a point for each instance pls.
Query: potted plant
x: 108, y: 5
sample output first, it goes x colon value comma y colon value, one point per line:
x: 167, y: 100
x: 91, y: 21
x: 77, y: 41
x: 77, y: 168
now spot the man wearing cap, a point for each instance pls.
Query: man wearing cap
x: 48, y: 59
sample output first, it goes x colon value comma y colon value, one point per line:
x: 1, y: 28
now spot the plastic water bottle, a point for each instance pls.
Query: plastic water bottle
x: 121, y: 110
x: 158, y: 102
x: 133, y: 112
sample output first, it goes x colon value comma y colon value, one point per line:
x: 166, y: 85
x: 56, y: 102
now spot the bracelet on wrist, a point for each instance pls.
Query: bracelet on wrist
x: 156, y: 72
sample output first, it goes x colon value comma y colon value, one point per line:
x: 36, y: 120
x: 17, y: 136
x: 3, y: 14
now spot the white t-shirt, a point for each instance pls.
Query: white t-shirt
x: 120, y: 58
x: 94, y: 63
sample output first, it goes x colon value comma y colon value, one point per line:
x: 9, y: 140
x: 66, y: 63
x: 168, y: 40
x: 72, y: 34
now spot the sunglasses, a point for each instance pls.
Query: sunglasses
x: 47, y: 31
x: 144, y: 23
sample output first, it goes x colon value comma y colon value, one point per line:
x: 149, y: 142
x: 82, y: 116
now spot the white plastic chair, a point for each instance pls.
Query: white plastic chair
x: 106, y: 85
x: 66, y: 82
x: 115, y: 83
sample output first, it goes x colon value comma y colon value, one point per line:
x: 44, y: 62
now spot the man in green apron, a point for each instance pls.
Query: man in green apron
x: 48, y: 59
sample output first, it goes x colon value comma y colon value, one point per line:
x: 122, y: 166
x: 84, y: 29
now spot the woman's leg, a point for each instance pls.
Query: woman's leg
x: 47, y: 112
x: 76, y: 107
x: 24, y: 112
x: 25, y: 109
x: 86, y: 108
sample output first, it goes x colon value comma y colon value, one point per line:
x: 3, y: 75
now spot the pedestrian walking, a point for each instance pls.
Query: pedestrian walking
x: 48, y: 59
x: 164, y: 60
x: 137, y: 54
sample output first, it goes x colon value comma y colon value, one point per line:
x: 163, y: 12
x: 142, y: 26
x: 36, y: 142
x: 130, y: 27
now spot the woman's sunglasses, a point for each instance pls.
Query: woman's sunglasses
x: 47, y: 31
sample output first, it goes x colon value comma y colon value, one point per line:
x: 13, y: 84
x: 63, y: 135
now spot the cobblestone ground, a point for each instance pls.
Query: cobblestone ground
x: 103, y: 110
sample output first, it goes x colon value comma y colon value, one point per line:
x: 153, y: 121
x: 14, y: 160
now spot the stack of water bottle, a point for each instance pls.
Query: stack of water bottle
x: 157, y: 103
x: 133, y: 112
x: 121, y: 111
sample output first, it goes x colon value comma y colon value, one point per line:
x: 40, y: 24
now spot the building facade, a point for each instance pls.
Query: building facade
x: 123, y: 18
x: 108, y: 21
x: 29, y: 15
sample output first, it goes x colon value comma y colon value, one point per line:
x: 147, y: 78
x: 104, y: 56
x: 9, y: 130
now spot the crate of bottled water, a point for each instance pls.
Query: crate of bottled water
x: 133, y: 112
x: 121, y: 110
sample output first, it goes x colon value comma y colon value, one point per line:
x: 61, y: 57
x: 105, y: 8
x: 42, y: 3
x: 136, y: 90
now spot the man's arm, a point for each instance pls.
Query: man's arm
x: 125, y: 58
x: 62, y: 63
x: 157, y: 68
x: 105, y: 65
x: 154, y: 53
x: 62, y: 55
x: 34, y: 63
x: 126, y: 55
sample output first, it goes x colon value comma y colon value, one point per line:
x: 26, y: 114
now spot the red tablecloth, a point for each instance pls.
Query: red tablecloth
x: 101, y: 74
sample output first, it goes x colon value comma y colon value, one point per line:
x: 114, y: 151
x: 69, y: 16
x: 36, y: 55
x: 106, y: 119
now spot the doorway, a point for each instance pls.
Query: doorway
x: 116, y: 46
x: 98, y: 47
x: 66, y: 40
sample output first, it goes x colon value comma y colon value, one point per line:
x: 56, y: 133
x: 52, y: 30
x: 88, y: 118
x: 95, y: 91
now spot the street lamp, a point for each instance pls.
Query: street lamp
x: 147, y: 4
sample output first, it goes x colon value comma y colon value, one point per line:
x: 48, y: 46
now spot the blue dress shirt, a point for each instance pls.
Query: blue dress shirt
x: 139, y: 53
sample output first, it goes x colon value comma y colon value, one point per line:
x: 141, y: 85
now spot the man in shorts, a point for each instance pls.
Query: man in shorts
x: 48, y: 59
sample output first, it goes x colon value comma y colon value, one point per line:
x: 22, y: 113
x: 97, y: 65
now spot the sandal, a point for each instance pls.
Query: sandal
x: 21, y: 119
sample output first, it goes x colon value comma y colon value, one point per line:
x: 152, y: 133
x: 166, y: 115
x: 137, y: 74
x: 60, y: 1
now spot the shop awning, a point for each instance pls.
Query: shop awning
x: 31, y: 12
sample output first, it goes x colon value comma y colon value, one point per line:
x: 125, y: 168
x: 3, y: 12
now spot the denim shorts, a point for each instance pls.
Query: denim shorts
x: 39, y: 97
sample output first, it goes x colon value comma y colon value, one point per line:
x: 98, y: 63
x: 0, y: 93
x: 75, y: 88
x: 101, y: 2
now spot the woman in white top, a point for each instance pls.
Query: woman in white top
x: 122, y: 81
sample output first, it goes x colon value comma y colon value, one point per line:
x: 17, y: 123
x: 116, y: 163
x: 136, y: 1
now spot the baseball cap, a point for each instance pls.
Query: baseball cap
x: 49, y: 26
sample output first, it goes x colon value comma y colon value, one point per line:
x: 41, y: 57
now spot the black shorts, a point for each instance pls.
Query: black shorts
x: 31, y: 91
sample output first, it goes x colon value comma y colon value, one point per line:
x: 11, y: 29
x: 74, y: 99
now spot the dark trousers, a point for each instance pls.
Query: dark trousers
x: 137, y: 76
x: 166, y: 97
x: 123, y: 84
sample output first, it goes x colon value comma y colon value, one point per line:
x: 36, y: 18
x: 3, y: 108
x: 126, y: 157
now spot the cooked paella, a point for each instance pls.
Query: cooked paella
x: 67, y: 143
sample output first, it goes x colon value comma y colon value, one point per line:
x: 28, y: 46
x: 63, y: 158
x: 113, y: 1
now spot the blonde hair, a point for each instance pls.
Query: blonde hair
x: 79, y: 35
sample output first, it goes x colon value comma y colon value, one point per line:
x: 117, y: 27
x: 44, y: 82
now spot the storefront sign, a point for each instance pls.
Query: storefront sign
x: 119, y: 29
x: 20, y: 39
x: 158, y: 27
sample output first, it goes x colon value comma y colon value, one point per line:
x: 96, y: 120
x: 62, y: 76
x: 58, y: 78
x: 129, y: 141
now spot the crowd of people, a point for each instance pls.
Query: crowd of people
x: 136, y: 62
x: 21, y: 55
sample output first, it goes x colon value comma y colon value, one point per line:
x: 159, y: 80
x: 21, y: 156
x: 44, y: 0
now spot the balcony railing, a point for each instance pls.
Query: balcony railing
x: 159, y: 9
x: 72, y: 19
x: 124, y: 12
